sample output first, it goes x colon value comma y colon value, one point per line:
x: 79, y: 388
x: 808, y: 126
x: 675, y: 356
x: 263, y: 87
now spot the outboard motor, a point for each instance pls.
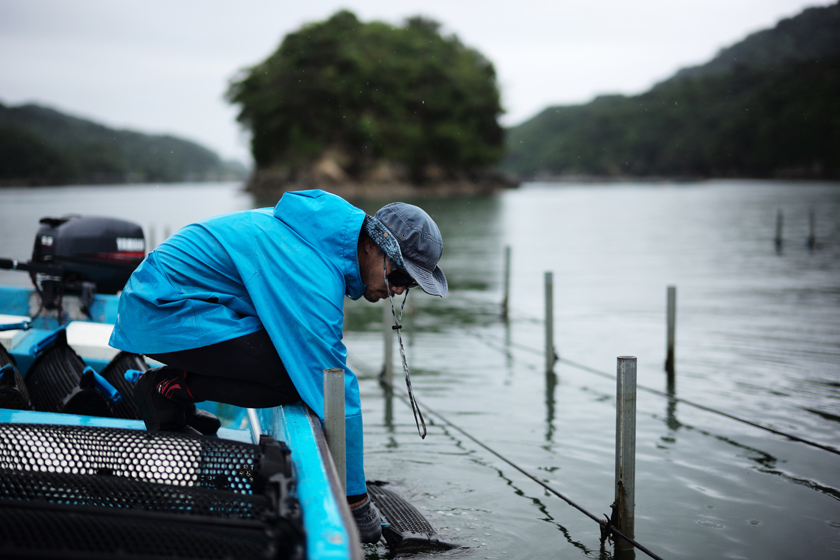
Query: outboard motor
x: 104, y: 251
x: 82, y: 255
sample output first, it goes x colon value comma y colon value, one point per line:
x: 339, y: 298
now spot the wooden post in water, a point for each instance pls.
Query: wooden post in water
x: 506, y: 297
x: 334, y: 420
x: 812, y: 237
x: 778, y: 240
x: 388, y: 341
x: 625, y: 449
x: 672, y: 327
x: 550, y: 357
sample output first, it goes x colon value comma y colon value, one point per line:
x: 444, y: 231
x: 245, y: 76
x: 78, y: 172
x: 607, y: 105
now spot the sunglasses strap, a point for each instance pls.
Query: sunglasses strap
x: 418, y: 416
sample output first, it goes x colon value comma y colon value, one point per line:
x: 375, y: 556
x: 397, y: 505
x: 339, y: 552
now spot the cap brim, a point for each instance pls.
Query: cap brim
x: 432, y: 282
x: 384, y: 239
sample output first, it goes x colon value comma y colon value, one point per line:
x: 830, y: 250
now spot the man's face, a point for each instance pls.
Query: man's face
x: 371, y: 263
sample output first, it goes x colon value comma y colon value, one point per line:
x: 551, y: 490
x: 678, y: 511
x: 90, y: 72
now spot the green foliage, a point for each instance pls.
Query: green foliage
x: 24, y: 155
x: 751, y: 119
x: 371, y: 92
x: 42, y: 146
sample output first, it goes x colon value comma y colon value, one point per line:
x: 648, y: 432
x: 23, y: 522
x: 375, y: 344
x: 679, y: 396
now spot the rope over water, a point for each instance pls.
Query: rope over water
x: 672, y: 398
x: 606, y: 525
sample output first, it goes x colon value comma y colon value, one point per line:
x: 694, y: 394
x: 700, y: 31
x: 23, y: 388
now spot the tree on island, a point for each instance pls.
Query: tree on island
x: 344, y: 101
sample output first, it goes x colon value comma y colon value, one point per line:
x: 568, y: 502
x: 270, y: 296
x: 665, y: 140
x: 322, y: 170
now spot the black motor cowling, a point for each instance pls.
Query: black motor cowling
x: 90, y: 249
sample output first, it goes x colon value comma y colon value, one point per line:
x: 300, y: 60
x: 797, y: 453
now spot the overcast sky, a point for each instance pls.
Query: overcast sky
x: 162, y: 66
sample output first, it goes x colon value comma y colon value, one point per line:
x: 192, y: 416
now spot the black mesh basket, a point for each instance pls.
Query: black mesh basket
x: 406, y: 530
x: 55, y: 381
x: 85, y: 492
x: 114, y: 374
x: 13, y: 391
x: 46, y: 531
x: 161, y: 457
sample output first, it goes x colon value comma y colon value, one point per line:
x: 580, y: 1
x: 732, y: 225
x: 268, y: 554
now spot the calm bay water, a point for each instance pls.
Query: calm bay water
x: 758, y: 336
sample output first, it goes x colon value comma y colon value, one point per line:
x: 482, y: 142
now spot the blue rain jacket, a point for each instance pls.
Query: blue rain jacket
x: 285, y: 270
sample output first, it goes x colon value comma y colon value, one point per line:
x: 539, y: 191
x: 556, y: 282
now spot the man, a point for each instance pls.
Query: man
x: 247, y: 309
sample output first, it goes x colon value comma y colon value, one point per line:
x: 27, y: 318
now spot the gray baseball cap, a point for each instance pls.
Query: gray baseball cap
x: 418, y: 246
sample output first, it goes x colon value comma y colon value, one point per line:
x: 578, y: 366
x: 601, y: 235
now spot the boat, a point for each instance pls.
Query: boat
x: 80, y: 477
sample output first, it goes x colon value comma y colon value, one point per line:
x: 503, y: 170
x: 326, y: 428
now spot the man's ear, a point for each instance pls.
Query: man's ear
x: 370, y: 246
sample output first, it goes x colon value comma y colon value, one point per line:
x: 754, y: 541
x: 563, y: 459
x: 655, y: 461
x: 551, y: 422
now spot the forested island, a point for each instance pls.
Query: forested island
x: 41, y: 146
x: 766, y: 107
x: 364, y: 108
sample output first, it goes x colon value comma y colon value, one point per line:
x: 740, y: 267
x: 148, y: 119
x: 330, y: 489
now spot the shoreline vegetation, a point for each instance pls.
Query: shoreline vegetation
x: 376, y: 110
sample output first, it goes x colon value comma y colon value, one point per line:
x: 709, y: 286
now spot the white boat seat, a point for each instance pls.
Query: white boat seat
x: 90, y: 340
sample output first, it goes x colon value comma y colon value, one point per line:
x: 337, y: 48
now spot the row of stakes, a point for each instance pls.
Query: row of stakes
x: 625, y: 437
x: 625, y: 440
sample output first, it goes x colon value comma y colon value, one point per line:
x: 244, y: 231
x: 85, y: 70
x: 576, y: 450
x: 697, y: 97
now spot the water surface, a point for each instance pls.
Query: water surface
x: 758, y: 337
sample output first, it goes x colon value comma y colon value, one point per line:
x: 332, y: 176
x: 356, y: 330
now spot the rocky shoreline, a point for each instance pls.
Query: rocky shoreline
x: 272, y: 184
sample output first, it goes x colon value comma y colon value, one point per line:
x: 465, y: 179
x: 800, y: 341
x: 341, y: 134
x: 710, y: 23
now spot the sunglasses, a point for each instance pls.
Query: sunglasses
x: 400, y: 279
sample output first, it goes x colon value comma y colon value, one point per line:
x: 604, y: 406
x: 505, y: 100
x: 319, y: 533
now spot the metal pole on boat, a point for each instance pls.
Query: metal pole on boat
x: 812, y: 237
x: 672, y: 327
x: 506, y: 297
x: 778, y: 240
x: 625, y: 449
x: 254, y: 421
x: 388, y: 341
x: 550, y: 356
x: 334, y: 420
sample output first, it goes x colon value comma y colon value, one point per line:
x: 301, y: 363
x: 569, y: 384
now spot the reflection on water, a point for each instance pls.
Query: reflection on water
x: 758, y: 336
x: 550, y: 384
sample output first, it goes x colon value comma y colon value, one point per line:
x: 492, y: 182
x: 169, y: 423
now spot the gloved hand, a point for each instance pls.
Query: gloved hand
x: 368, y: 522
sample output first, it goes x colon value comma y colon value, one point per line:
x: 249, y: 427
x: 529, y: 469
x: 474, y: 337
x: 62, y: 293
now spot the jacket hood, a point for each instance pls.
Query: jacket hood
x: 331, y: 226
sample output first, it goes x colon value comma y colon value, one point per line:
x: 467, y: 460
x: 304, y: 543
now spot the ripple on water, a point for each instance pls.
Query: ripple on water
x: 711, y: 522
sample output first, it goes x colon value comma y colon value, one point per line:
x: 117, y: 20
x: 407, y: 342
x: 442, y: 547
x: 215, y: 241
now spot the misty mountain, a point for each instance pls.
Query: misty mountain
x: 767, y: 106
x: 811, y: 35
x: 41, y: 146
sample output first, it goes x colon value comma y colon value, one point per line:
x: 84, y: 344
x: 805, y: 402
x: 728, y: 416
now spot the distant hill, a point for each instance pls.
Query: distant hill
x: 811, y: 35
x: 41, y: 146
x: 768, y: 106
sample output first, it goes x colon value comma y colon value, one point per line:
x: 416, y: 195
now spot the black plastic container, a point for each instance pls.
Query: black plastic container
x: 57, y: 381
x: 13, y: 392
